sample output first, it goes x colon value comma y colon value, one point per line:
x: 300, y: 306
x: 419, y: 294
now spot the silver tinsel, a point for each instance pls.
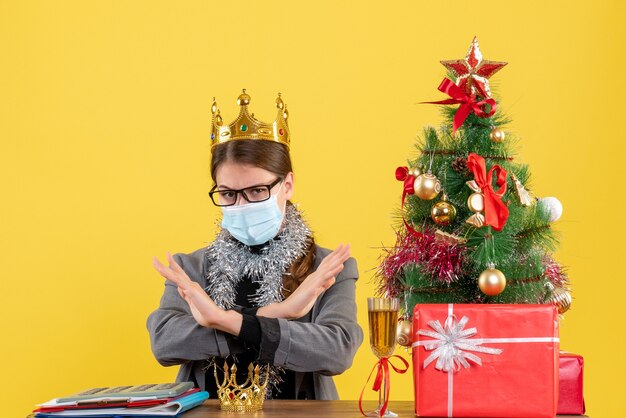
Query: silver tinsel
x: 229, y: 261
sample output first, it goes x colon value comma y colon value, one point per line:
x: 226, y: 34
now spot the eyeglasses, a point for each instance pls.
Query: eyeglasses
x: 253, y: 194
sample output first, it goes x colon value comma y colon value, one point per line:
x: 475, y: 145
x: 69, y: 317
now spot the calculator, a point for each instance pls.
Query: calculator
x: 162, y: 390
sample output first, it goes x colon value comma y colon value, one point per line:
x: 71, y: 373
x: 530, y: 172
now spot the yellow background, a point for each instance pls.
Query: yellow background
x: 104, y: 123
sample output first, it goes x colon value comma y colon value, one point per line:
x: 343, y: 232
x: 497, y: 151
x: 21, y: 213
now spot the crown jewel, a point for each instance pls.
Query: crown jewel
x: 246, y: 126
x: 248, y: 396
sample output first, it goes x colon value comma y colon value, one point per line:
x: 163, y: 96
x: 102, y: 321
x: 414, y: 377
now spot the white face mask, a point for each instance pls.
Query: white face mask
x: 253, y: 223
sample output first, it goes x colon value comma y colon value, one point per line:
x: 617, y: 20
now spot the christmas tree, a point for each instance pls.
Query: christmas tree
x: 470, y: 229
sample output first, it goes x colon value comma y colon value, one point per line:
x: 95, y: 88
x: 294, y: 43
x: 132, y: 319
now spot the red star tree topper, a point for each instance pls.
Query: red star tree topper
x: 472, y: 73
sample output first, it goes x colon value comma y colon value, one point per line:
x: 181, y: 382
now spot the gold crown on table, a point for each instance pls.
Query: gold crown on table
x: 246, y: 126
x: 247, y: 397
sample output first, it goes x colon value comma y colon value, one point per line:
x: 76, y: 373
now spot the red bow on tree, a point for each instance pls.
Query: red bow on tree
x: 403, y: 174
x: 496, y: 211
x: 468, y: 103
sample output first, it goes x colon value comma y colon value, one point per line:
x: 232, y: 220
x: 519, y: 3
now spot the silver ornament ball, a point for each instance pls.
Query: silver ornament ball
x: 553, y: 207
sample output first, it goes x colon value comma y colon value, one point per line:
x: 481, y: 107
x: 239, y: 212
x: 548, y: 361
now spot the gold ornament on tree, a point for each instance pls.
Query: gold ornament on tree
x: 415, y: 171
x: 525, y: 199
x: 497, y: 135
x: 443, y: 212
x: 449, y: 238
x: 561, y: 298
x: 427, y: 186
x: 403, y: 332
x: 476, y: 203
x: 491, y: 281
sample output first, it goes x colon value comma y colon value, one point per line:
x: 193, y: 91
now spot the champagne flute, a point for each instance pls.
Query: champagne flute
x: 383, y: 320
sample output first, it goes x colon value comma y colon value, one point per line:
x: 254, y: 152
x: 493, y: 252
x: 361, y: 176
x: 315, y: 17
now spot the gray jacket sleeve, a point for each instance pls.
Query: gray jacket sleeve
x: 175, y: 336
x: 328, y: 343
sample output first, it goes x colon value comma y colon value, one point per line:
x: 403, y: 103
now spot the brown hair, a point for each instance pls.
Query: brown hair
x: 273, y: 157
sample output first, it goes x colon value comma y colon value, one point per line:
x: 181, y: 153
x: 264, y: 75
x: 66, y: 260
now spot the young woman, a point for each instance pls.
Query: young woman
x: 262, y: 291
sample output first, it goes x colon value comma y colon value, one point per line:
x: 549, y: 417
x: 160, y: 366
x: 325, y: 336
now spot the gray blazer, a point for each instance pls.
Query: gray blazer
x: 323, y: 343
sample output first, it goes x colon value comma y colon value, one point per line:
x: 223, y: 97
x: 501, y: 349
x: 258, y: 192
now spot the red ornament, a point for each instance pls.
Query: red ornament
x: 473, y: 72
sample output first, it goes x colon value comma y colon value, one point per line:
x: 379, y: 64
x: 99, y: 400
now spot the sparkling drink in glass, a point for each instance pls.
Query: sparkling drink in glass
x: 383, y: 320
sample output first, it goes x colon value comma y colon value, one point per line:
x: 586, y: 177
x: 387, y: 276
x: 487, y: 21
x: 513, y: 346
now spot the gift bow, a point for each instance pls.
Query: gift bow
x: 452, y: 345
x: 382, y: 375
x: 468, y: 103
x: 496, y: 211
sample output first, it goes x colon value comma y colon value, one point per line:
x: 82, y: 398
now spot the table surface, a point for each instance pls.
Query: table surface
x: 304, y: 409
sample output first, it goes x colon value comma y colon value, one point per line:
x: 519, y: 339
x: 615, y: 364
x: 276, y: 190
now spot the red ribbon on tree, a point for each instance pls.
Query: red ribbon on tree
x: 382, y: 374
x: 402, y: 174
x: 496, y: 211
x: 468, y: 103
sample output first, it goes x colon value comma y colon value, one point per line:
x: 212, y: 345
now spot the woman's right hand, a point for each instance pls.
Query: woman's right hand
x: 202, y: 307
x: 300, y: 302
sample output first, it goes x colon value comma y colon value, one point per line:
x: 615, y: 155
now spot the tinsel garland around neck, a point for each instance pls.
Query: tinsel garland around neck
x: 229, y: 261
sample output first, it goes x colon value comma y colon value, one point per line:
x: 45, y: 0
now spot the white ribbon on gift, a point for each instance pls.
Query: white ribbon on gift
x: 451, y: 346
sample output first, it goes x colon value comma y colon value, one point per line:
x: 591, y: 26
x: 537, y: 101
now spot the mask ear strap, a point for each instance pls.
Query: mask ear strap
x: 281, y: 186
x: 284, y: 210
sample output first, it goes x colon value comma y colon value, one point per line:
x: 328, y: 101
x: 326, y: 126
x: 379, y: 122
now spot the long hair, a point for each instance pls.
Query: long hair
x: 273, y: 157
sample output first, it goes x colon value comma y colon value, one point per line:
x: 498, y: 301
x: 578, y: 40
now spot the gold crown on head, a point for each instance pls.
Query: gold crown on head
x: 247, y: 397
x: 246, y: 126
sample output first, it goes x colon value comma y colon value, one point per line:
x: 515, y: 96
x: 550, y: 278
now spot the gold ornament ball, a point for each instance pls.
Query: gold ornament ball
x: 476, y: 202
x: 443, y: 213
x: 403, y: 332
x: 497, y: 135
x: 427, y: 186
x: 562, y: 299
x: 415, y: 171
x: 491, y: 282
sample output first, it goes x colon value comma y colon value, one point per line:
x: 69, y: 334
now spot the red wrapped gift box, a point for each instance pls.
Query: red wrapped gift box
x: 485, y: 360
x: 571, y: 399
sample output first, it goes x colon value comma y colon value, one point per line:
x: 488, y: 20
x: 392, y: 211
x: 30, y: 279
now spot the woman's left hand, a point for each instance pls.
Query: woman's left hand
x: 300, y: 302
x: 202, y: 307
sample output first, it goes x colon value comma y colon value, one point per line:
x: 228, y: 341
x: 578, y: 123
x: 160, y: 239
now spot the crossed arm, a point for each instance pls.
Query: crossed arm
x: 299, y: 303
